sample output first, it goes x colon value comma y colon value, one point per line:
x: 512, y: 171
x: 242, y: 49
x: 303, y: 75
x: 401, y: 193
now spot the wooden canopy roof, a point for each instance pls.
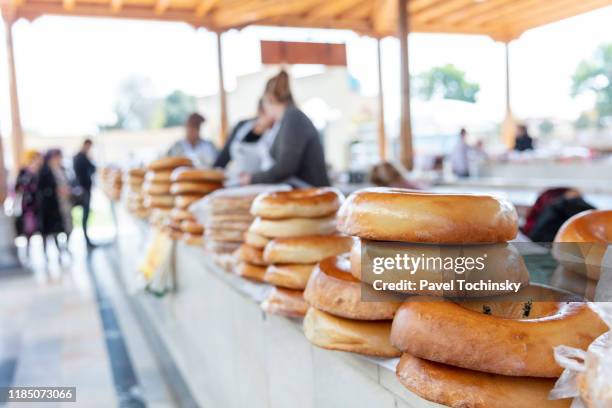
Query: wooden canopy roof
x: 503, y: 20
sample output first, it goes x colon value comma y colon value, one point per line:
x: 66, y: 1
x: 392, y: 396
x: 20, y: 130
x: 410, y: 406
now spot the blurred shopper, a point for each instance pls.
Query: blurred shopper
x: 477, y: 158
x: 84, y: 170
x: 296, y: 153
x: 523, y: 141
x: 552, y: 208
x: 459, y: 157
x: 54, y: 194
x: 248, y: 148
x: 202, y: 152
x: 26, y: 204
x: 386, y: 174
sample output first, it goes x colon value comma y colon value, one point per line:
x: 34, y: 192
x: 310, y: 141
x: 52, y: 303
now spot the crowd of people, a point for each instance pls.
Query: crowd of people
x: 465, y: 157
x: 279, y: 145
x: 46, y: 191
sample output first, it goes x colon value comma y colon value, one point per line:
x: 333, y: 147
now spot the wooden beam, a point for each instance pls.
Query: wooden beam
x: 161, y: 6
x: 204, y: 7
x: 330, y: 9
x: 253, y: 11
x: 116, y: 6
x: 466, y: 14
x: 418, y: 5
x: 438, y: 9
x: 499, y: 14
x: 361, y: 11
x: 509, y: 125
x: 3, y: 176
x: 549, y: 14
x: 359, y: 26
x: 223, y: 127
x: 382, y: 139
x: 405, y: 136
x: 384, y: 16
x: 69, y: 4
x: 31, y: 11
x: 17, y: 131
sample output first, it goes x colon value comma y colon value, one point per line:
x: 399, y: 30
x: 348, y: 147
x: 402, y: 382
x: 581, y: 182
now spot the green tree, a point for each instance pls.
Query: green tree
x: 446, y: 82
x: 546, y: 127
x: 594, y: 77
x: 176, y: 107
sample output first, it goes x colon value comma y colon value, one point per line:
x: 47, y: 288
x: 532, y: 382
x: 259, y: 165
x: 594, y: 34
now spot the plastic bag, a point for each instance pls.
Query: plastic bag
x: 201, y: 209
x: 588, y: 374
x: 157, y: 266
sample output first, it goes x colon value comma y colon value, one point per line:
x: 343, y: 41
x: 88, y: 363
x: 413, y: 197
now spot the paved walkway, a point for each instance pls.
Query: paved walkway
x: 69, y: 324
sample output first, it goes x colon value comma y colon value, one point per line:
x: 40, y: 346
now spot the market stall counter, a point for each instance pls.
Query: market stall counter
x: 232, y: 354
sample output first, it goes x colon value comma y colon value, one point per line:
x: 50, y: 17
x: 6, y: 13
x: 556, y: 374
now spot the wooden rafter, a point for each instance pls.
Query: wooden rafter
x: 500, y: 19
x: 69, y: 5
x: 361, y: 10
x: 499, y: 14
x: 252, y: 11
x: 466, y: 15
x: 204, y: 7
x: 330, y: 9
x: 572, y: 8
x: 116, y: 6
x: 438, y: 9
x: 384, y: 17
x: 161, y: 6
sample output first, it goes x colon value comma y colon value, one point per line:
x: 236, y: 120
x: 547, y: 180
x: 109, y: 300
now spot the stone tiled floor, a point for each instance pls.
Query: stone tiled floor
x: 51, y: 332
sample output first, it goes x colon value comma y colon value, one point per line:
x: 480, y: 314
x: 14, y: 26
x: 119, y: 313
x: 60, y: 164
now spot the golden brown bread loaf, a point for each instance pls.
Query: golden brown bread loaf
x: 461, y: 388
x: 506, y: 340
x: 390, y: 214
x: 357, y: 336
x: 301, y: 203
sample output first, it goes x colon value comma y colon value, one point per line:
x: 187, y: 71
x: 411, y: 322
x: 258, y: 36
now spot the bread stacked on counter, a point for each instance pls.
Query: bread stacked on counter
x: 157, y: 196
x: 337, y: 318
x: 187, y: 186
x: 226, y: 224
x: 294, y: 230
x: 580, y: 248
x: 469, y: 353
x: 112, y: 182
x: 134, y: 197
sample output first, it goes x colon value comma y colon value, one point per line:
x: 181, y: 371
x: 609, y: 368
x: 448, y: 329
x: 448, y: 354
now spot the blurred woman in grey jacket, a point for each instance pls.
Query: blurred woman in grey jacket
x: 297, y: 153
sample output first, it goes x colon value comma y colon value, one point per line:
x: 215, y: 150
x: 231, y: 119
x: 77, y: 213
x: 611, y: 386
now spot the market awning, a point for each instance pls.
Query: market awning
x: 502, y: 20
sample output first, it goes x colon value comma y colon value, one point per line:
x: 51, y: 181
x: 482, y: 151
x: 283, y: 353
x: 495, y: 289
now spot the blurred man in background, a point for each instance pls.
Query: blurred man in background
x: 202, y: 152
x: 523, y: 141
x: 459, y: 156
x: 84, y: 170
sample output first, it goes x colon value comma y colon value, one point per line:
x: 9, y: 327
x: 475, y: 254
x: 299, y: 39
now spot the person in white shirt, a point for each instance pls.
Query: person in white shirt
x: 202, y: 152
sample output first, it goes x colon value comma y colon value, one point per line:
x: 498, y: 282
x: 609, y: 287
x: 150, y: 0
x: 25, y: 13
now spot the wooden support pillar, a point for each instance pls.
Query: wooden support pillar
x: 3, y: 178
x: 509, y: 124
x: 16, y: 132
x: 382, y: 139
x: 405, y: 136
x: 222, y: 96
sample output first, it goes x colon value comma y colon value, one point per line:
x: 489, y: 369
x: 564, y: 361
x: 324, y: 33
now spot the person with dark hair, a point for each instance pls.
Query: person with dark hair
x: 25, y: 192
x: 202, y: 152
x: 248, y: 146
x: 523, y: 141
x: 53, y: 195
x: 385, y: 174
x: 84, y: 170
x: 297, y: 153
